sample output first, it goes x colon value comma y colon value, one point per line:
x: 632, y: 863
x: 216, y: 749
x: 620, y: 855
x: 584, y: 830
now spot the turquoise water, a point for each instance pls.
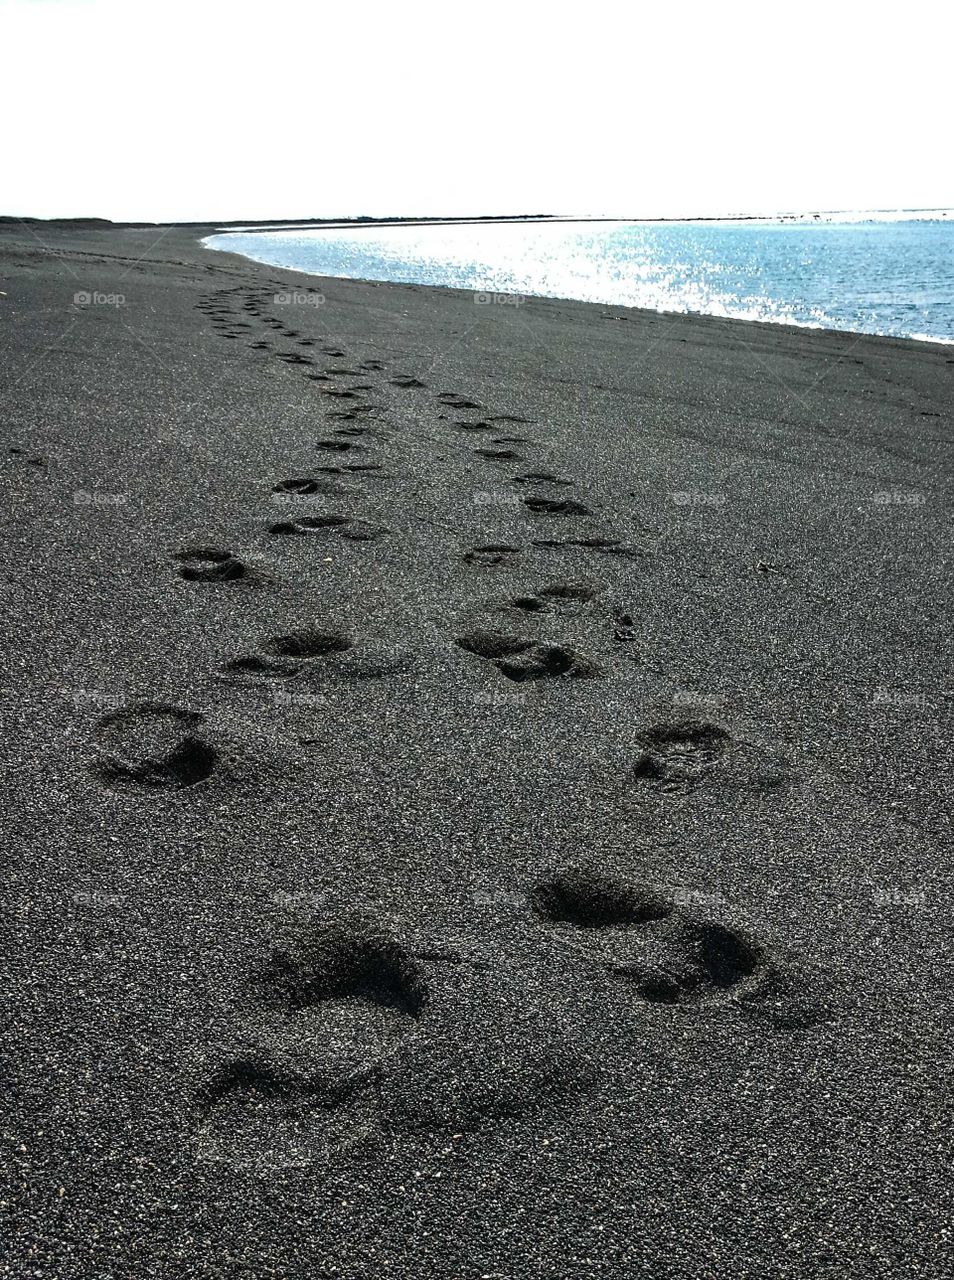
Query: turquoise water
x: 887, y: 275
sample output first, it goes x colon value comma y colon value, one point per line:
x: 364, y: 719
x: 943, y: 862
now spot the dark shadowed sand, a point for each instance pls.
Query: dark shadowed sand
x: 479, y: 782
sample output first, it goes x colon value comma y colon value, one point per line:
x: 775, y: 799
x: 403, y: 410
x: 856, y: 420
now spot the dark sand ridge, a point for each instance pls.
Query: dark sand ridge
x: 380, y: 904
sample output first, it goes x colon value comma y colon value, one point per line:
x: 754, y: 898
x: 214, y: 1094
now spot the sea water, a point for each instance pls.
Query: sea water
x: 869, y: 274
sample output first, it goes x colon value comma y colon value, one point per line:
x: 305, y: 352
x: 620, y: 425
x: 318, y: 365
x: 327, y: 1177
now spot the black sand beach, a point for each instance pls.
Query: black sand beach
x: 478, y: 782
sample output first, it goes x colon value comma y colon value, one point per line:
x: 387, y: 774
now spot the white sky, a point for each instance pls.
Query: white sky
x: 193, y: 109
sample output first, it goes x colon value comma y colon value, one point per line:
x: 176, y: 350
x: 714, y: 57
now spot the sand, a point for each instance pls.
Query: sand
x: 478, y: 782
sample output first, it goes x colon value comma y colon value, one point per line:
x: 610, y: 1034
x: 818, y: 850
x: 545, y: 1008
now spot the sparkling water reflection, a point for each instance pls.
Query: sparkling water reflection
x: 891, y: 277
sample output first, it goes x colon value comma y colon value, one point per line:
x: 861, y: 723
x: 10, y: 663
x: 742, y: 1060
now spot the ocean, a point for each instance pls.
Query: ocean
x: 885, y: 274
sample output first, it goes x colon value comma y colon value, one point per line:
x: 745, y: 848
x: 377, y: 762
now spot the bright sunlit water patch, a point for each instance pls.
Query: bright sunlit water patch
x: 884, y: 276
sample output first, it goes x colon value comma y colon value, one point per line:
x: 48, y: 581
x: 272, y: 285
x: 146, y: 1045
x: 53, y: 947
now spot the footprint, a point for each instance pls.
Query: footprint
x: 589, y: 899
x: 670, y: 957
x: 498, y: 455
x: 283, y: 657
x: 559, y: 597
x: 491, y: 553
x: 555, y: 506
x: 152, y: 746
x: 692, y: 962
x: 251, y: 1076
x: 540, y: 477
x: 528, y: 604
x: 677, y: 757
x: 345, y: 468
x: 205, y: 564
x: 336, y: 1001
x: 569, y: 591
x: 404, y: 380
x: 509, y: 417
x: 353, y: 960
x: 686, y: 961
x: 338, y: 446
x: 607, y: 546
x: 454, y: 401
x: 474, y: 426
x: 308, y: 644
x: 343, y: 526
x: 520, y: 659
x: 257, y: 668
x: 304, y: 486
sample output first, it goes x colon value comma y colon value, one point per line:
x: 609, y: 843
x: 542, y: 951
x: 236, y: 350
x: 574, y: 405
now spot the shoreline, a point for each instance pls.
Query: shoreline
x: 480, y: 780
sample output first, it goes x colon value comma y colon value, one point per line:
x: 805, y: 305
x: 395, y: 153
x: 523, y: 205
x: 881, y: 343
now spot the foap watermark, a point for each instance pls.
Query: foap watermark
x: 698, y: 498
x: 287, y: 700
x: 483, y: 299
x: 496, y: 498
x: 700, y: 701
x: 501, y: 699
x: 897, y: 498
x: 96, y: 898
x: 93, y: 298
x: 900, y: 699
x: 484, y: 896
x: 684, y: 897
x: 95, y: 498
x: 299, y: 898
x: 95, y: 698
x: 310, y: 299
x: 900, y: 897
